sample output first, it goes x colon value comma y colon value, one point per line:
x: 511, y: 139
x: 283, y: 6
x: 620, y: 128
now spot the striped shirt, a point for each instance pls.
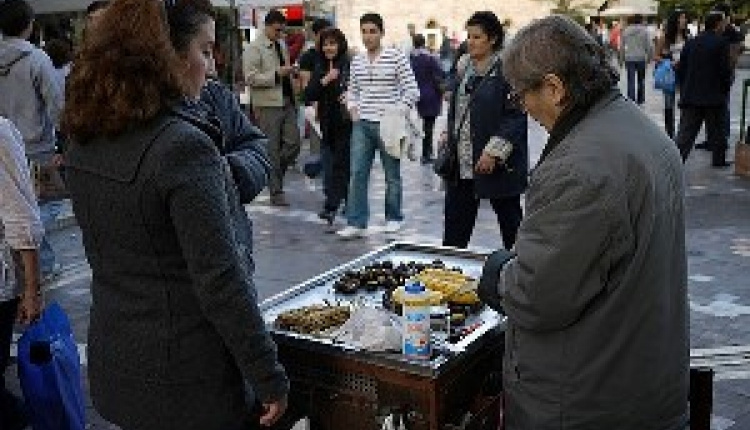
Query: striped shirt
x: 388, y: 80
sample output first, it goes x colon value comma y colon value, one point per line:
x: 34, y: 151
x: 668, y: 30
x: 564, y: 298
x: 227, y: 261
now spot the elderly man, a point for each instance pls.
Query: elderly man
x: 595, y: 295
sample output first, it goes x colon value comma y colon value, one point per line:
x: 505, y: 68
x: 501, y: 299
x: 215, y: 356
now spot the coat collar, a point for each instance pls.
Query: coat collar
x: 570, y: 119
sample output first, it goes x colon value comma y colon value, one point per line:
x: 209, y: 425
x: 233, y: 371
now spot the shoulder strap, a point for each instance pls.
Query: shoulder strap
x: 6, y: 70
x: 487, y: 74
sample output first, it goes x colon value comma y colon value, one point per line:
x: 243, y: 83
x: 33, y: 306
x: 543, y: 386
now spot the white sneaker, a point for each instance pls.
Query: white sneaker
x: 393, y: 226
x: 351, y: 232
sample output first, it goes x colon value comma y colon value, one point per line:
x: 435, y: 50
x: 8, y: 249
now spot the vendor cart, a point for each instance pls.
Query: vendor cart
x: 337, y: 386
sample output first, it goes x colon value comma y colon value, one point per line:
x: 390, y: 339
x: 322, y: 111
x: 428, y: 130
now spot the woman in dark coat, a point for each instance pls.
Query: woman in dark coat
x: 327, y: 88
x: 430, y: 80
x: 491, y: 137
x: 175, y: 328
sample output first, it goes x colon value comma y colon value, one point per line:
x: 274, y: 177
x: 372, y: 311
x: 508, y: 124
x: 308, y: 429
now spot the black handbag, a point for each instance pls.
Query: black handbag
x: 446, y: 162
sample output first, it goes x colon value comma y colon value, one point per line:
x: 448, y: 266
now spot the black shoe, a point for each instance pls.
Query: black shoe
x: 12, y: 412
x: 328, y: 216
x: 721, y: 164
x: 704, y: 145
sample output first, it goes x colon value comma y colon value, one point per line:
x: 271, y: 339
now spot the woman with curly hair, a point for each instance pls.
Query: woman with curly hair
x: 175, y: 328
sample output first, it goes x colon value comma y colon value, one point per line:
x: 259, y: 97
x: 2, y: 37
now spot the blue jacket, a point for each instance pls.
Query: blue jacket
x: 243, y: 144
x: 704, y: 73
x: 494, y: 114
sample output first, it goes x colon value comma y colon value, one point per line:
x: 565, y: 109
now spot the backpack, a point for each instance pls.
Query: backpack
x: 664, y: 77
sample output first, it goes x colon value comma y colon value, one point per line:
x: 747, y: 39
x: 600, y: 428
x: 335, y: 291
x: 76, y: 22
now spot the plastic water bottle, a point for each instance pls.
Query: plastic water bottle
x: 416, y: 322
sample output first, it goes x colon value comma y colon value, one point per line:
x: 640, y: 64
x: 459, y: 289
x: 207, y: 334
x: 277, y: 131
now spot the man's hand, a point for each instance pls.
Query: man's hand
x: 354, y: 113
x: 285, y: 71
x: 272, y: 412
x: 29, y: 308
x: 485, y: 165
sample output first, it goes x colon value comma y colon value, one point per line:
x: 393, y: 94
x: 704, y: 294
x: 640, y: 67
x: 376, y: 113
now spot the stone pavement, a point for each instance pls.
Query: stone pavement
x: 292, y: 245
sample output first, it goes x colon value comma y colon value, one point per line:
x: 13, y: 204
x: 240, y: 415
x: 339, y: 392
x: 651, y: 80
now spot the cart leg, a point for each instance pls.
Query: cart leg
x: 701, y: 398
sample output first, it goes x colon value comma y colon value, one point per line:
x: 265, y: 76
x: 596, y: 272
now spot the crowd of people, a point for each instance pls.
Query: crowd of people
x: 702, y: 63
x: 160, y: 159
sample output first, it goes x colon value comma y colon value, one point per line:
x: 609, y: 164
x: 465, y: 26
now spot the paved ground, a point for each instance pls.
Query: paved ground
x: 292, y: 245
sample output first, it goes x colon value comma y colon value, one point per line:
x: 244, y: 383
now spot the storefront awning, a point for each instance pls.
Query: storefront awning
x: 629, y: 7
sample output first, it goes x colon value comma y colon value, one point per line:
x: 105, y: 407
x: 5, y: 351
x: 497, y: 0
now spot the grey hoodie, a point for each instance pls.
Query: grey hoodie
x: 636, y: 43
x: 31, y: 96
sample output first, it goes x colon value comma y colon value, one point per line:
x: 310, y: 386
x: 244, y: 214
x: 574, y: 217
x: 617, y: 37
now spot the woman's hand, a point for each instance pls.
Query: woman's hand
x: 331, y: 76
x: 485, y: 165
x: 29, y: 308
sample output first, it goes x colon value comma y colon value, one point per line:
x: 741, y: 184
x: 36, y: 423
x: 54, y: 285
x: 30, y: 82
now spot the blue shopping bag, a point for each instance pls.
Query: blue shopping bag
x: 664, y: 77
x: 49, y: 370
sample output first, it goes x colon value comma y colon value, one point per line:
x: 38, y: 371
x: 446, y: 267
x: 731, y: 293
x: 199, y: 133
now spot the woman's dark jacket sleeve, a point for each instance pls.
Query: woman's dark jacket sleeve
x: 245, y: 146
x: 192, y: 180
x: 314, y: 90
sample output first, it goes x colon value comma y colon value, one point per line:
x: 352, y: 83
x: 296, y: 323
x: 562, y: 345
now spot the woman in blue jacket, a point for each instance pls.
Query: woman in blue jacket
x: 489, y: 129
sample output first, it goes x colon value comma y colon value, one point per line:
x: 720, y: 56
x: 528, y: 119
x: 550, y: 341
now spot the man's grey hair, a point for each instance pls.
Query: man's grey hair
x: 558, y: 45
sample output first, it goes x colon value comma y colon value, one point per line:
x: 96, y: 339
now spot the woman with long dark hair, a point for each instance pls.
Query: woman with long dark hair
x: 668, y: 47
x: 175, y: 328
x: 327, y: 87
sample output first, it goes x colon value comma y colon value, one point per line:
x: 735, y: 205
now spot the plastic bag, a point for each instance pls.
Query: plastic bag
x: 664, y: 77
x: 49, y: 370
x: 370, y: 329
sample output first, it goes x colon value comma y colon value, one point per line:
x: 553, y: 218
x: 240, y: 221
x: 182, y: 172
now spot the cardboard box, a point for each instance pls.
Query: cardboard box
x: 742, y: 159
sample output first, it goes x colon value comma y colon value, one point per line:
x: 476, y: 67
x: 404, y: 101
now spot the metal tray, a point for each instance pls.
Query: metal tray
x: 320, y: 289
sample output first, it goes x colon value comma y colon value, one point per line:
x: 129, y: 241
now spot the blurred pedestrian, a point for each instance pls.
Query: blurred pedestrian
x: 21, y: 232
x: 489, y: 130
x: 704, y: 76
x: 431, y: 85
x: 175, y: 328
x: 446, y: 52
x: 32, y: 99
x: 637, y: 50
x: 596, y: 292
x: 668, y: 47
x: 270, y: 72
x: 327, y: 90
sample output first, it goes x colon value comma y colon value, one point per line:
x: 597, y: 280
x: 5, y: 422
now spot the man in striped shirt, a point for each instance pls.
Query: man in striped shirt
x: 379, y: 78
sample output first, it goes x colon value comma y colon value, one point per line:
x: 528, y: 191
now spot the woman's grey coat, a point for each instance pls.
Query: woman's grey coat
x: 175, y: 328
x: 596, y: 298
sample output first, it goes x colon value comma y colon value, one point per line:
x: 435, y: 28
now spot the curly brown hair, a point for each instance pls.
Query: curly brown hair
x: 125, y: 73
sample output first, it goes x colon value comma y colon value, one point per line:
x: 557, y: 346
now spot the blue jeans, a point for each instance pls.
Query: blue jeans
x: 636, y: 76
x: 365, y: 140
x: 49, y: 212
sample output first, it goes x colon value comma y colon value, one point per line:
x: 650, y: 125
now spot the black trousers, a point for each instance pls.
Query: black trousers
x: 336, y: 155
x: 461, y: 207
x: 8, y: 311
x: 428, y: 123
x: 691, y: 119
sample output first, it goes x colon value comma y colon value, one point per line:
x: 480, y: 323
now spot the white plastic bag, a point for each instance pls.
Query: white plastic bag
x: 371, y: 329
